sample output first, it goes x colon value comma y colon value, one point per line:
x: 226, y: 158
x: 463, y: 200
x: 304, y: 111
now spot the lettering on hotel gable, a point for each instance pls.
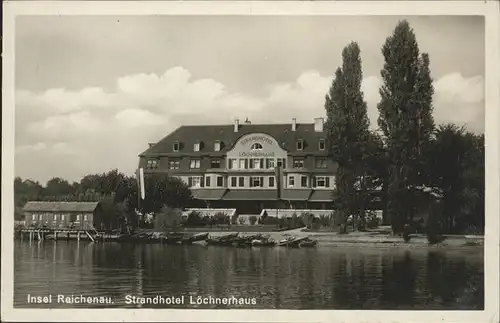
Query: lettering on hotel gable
x: 255, y: 153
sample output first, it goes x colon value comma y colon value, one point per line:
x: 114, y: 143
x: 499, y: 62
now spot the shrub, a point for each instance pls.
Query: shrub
x: 242, y: 220
x: 252, y: 219
x: 220, y: 218
x: 194, y: 219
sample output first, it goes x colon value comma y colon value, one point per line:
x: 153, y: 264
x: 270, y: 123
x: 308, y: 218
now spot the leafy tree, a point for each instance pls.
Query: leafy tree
x: 161, y: 190
x: 456, y: 166
x: 57, y: 187
x: 347, y: 128
x: 405, y: 119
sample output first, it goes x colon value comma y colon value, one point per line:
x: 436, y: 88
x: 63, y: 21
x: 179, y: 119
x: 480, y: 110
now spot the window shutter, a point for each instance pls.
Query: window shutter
x: 327, y: 181
x: 246, y: 163
x: 251, y: 181
x: 262, y: 182
x: 314, y: 181
x: 190, y: 181
x: 262, y: 163
x: 202, y: 182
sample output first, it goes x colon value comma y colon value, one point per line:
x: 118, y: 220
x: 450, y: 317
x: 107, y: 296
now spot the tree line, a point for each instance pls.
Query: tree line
x: 408, y: 151
x: 117, y: 193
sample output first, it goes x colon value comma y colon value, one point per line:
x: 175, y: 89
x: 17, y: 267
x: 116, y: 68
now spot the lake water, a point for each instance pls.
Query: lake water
x: 275, y: 278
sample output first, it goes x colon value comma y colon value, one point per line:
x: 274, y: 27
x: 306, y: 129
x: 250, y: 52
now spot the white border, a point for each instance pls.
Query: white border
x: 490, y: 9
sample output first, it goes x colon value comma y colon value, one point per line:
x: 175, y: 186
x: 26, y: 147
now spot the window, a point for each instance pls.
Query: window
x: 256, y: 163
x: 281, y: 162
x: 194, y: 164
x: 207, y: 181
x: 220, y: 181
x: 40, y: 217
x: 63, y: 217
x: 232, y: 163
x: 55, y: 217
x: 303, y: 181
x: 196, y: 146
x: 194, y: 181
x: 85, y: 217
x: 233, y: 181
x: 241, y: 181
x: 291, y: 181
x: 33, y: 217
x: 173, y: 164
x: 256, y: 181
x: 270, y: 163
x: 256, y: 146
x: 298, y: 163
x: 217, y: 145
x: 321, y: 144
x: 215, y: 163
x: 243, y: 164
x: 300, y: 144
x: 321, y: 182
x: 152, y: 164
x: 271, y: 181
x: 320, y: 162
x: 78, y: 217
x: 175, y: 146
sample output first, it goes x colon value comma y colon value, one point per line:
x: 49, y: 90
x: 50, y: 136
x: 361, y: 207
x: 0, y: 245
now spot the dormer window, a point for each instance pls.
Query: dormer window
x: 300, y: 144
x: 196, y: 146
x: 321, y: 144
x: 256, y: 146
x: 217, y: 146
x: 175, y: 146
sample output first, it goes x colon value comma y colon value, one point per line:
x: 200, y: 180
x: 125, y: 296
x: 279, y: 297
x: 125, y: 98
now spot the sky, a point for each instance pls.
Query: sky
x: 93, y: 91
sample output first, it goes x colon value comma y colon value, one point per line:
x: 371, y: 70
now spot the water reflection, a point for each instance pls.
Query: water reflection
x: 321, y: 278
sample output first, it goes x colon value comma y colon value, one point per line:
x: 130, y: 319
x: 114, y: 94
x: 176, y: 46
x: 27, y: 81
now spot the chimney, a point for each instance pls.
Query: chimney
x: 236, y: 125
x: 151, y: 144
x: 294, y: 124
x: 318, y: 124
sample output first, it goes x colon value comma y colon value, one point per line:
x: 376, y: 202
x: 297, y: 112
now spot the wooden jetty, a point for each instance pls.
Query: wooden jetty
x: 58, y: 234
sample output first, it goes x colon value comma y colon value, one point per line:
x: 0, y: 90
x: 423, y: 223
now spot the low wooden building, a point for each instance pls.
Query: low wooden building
x: 63, y: 215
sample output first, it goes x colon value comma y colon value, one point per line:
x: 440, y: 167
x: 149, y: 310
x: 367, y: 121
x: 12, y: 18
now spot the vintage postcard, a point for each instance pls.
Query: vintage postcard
x: 251, y: 161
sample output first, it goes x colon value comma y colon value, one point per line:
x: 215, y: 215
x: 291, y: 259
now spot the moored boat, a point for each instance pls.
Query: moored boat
x: 194, y: 238
x: 308, y: 243
x: 263, y: 242
x: 225, y: 240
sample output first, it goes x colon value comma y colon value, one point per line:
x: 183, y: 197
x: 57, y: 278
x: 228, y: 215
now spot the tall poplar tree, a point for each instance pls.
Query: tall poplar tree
x: 405, y: 119
x: 347, y: 128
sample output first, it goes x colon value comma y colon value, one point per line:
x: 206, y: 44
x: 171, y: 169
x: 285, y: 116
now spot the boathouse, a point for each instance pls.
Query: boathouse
x: 63, y: 215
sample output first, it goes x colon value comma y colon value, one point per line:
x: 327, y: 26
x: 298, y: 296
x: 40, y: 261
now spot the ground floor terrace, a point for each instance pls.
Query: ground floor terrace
x: 254, y: 201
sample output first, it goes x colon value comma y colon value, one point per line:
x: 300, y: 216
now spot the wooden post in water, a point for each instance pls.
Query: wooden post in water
x: 55, y: 235
x: 78, y: 236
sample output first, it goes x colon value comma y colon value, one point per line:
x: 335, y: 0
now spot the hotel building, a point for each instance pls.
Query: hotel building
x: 249, y: 166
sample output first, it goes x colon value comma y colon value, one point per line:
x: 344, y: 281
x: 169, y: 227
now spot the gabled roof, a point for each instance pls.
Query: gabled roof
x: 39, y: 206
x: 187, y: 136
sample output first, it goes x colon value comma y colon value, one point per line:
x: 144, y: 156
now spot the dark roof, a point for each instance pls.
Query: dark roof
x: 296, y: 194
x: 259, y: 195
x: 321, y: 196
x: 208, y: 193
x: 187, y: 136
x: 38, y: 206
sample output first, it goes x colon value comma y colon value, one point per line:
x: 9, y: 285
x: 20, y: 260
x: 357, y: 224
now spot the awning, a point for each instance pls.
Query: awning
x: 321, y: 196
x: 208, y: 194
x: 253, y: 195
x: 296, y: 194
